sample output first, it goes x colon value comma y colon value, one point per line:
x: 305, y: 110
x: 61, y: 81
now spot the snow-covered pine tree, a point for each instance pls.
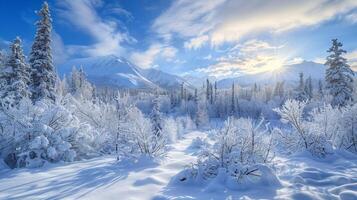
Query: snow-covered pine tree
x: 308, y: 88
x: 233, y: 107
x: 320, y: 90
x: 74, y: 84
x: 2, y: 58
x: 300, y: 90
x: 207, y: 90
x: 155, y: 116
x: 17, y: 75
x: 339, y: 76
x: 3, y: 76
x: 43, y: 71
x: 215, y: 91
x: 202, y: 118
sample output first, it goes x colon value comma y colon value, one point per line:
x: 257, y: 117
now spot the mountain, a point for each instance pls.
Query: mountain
x: 118, y: 72
x: 287, y: 73
x: 164, y: 80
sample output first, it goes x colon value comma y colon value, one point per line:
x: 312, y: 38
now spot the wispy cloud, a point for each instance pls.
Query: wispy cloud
x: 250, y: 57
x: 196, y: 42
x: 145, y: 59
x: 82, y: 14
x: 230, y: 20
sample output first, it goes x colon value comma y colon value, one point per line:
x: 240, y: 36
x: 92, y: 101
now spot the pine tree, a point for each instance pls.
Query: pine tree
x: 17, y: 75
x: 43, y: 72
x: 74, y: 81
x: 233, y: 107
x: 155, y: 116
x: 308, y: 88
x: 2, y: 58
x: 300, y: 90
x: 211, y: 94
x: 215, y: 91
x: 321, y: 91
x: 4, y: 74
x: 339, y: 76
x: 207, y: 90
x: 181, y: 94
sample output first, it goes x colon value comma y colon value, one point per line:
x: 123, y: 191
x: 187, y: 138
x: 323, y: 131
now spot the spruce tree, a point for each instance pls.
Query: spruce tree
x: 339, y: 76
x: 301, y: 90
x: 321, y: 91
x: 3, y: 77
x: 155, y: 116
x: 17, y: 75
x: 233, y: 107
x: 43, y: 71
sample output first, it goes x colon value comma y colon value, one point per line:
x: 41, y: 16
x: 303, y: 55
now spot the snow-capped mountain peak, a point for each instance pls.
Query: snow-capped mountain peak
x: 119, y: 72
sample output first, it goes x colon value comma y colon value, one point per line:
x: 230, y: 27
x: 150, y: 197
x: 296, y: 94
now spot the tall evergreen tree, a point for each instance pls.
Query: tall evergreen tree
x: 17, y: 75
x: 308, y: 88
x: 339, y: 76
x: 181, y: 93
x: 2, y: 58
x: 320, y: 90
x: 233, y: 107
x: 215, y: 91
x: 300, y: 90
x: 3, y: 73
x: 207, y: 90
x: 43, y: 71
x: 155, y: 116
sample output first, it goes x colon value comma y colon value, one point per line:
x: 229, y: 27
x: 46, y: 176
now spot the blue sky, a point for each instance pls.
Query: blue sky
x: 219, y: 38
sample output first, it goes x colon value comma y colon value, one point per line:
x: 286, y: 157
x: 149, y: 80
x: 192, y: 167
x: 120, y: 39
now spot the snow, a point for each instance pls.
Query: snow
x: 301, y: 176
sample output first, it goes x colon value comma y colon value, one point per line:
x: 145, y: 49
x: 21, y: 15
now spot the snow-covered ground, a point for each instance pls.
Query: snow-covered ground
x: 301, y: 177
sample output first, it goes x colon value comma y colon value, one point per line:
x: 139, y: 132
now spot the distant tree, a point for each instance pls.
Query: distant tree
x: 215, y: 91
x: 181, y: 93
x: 308, y: 88
x: 339, y: 76
x: 233, y: 106
x: 320, y: 90
x: 211, y: 94
x: 155, y: 116
x: 300, y: 90
x: 43, y: 71
x: 202, y: 117
x: 207, y: 90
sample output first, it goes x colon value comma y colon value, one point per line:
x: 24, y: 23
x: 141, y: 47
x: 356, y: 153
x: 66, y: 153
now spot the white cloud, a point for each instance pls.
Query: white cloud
x: 145, y: 59
x: 251, y: 57
x: 187, y: 18
x: 208, y: 57
x: 352, y: 17
x: 59, y: 51
x: 82, y: 14
x: 196, y: 42
x: 352, y: 59
x: 230, y: 20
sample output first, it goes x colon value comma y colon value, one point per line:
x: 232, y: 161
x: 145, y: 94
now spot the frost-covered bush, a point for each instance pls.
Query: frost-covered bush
x: 138, y: 137
x: 324, y: 129
x: 303, y: 134
x: 347, y: 138
x: 240, y: 147
x: 34, y: 134
x: 186, y: 123
x: 170, y: 129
